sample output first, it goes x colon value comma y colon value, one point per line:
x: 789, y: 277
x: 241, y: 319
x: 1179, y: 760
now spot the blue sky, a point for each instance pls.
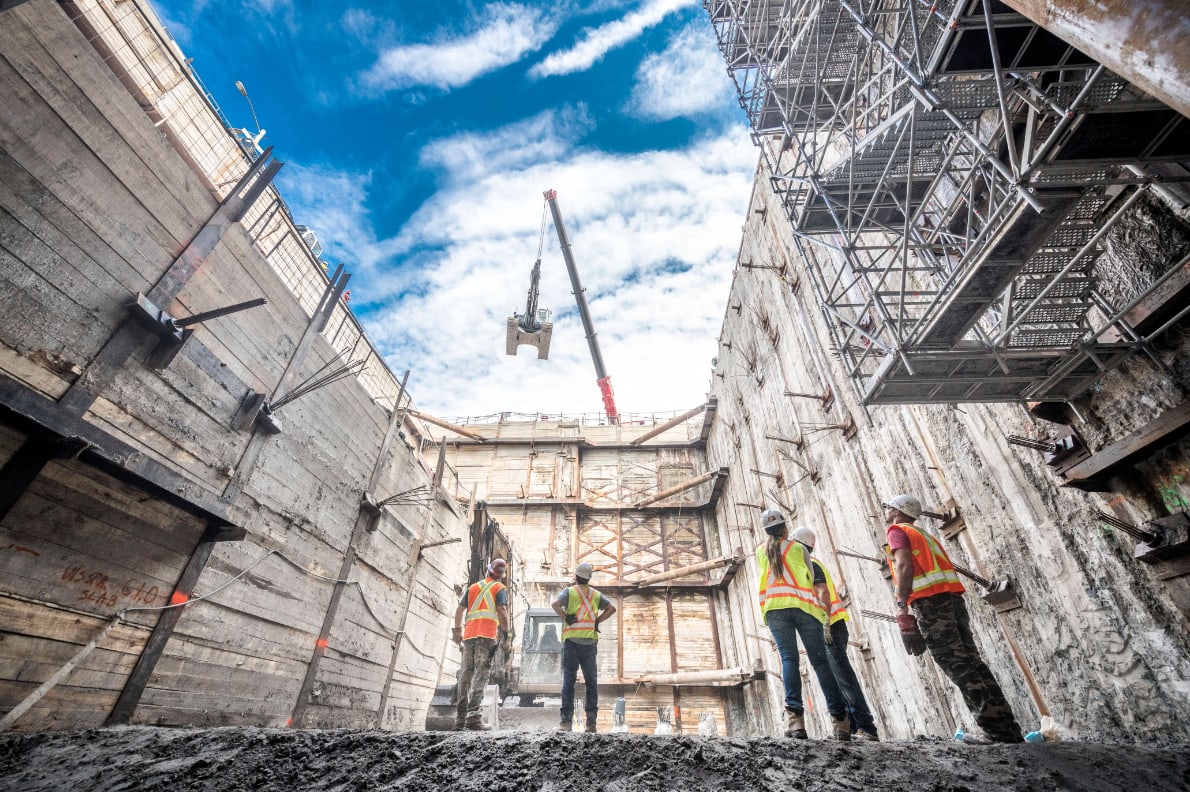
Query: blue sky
x: 418, y: 139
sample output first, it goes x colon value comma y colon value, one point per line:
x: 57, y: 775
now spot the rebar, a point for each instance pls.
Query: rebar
x: 846, y: 551
x: 969, y: 574
x: 1148, y: 537
x: 1036, y: 445
x: 874, y: 615
x: 416, y: 497
x: 319, y: 380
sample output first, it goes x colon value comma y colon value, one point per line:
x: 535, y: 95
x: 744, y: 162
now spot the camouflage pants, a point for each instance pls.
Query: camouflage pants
x: 946, y: 627
x: 474, y: 673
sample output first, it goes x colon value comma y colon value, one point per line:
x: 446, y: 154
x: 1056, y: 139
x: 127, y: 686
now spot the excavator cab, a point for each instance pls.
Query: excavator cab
x: 533, y: 327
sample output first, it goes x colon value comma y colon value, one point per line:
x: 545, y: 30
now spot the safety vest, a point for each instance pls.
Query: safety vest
x: 584, y: 605
x: 790, y: 587
x: 838, y: 610
x: 932, y: 571
x: 482, y: 619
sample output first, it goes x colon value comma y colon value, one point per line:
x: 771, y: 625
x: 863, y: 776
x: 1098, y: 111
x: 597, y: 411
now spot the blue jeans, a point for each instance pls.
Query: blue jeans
x: 857, y: 705
x: 786, y: 625
x: 574, y: 657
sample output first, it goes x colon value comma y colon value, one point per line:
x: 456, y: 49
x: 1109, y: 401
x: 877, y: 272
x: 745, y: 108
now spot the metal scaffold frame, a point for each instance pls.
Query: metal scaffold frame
x: 951, y: 172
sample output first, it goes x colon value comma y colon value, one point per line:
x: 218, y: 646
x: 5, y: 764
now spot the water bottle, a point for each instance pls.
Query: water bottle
x: 958, y: 735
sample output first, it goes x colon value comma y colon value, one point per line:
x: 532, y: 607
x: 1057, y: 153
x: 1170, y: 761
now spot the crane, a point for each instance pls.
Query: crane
x: 603, y: 380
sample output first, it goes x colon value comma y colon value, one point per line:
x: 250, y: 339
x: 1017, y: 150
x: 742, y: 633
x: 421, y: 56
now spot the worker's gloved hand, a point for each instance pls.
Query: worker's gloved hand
x: 827, y: 638
x: 915, y: 644
x: 570, y: 618
x: 456, y: 635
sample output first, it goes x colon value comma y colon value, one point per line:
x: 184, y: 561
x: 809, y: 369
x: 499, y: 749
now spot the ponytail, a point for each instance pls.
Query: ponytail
x: 772, y: 549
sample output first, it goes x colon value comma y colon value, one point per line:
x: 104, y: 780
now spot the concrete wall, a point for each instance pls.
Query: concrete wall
x: 1100, y: 639
x: 320, y: 615
x: 567, y: 492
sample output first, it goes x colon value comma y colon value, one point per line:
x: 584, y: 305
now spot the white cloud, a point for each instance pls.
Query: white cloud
x: 687, y: 79
x: 542, y: 138
x: 503, y: 36
x: 654, y: 236
x: 597, y: 42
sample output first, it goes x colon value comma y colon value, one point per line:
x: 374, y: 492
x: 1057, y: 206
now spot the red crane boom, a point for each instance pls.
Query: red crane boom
x: 603, y: 380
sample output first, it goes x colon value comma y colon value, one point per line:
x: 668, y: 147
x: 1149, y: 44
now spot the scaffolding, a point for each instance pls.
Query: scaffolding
x: 951, y: 171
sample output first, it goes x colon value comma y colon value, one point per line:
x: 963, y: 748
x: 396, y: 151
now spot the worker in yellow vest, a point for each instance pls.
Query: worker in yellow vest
x: 582, y: 609
x: 925, y: 579
x: 836, y: 636
x: 790, y: 607
x: 485, y: 606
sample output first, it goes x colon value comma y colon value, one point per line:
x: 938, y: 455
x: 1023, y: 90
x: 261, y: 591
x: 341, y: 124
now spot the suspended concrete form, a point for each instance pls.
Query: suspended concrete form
x: 953, y: 173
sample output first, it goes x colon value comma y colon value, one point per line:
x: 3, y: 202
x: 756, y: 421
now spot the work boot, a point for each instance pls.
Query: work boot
x: 795, y: 725
x: 475, y: 723
x: 863, y: 735
x: 591, y: 726
x: 842, y: 728
x: 564, y: 726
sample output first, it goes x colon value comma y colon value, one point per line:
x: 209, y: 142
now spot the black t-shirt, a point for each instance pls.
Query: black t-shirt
x: 819, y: 575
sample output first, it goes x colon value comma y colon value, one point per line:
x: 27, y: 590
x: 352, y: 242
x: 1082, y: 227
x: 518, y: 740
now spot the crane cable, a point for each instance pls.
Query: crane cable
x: 541, y: 234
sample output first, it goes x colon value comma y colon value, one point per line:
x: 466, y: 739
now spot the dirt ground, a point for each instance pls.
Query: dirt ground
x: 288, y: 760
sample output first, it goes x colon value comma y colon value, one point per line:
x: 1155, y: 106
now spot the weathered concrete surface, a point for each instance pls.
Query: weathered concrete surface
x: 229, y: 759
x: 1099, y: 641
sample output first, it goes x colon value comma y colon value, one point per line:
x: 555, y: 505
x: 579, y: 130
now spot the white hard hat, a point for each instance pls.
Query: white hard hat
x: 906, y: 505
x: 584, y: 571
x: 805, y: 536
x: 772, y: 521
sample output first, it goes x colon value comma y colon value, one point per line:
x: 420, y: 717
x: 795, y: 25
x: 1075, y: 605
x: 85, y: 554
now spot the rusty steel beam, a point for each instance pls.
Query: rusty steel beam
x: 702, y: 566
x: 1092, y: 473
x: 671, y: 423
x: 447, y: 425
x: 718, y: 676
x: 675, y: 489
x: 1144, y: 42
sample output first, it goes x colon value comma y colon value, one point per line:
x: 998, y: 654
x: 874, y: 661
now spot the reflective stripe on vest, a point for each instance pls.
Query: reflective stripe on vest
x: 932, y: 571
x: 794, y: 588
x: 482, y: 619
x: 838, y: 609
x: 584, y: 605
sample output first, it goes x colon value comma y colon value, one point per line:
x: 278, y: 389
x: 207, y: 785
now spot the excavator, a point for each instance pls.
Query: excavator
x: 533, y: 327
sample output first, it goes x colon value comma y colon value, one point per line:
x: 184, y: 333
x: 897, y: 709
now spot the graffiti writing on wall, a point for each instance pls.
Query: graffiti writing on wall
x: 99, y: 588
x: 16, y: 548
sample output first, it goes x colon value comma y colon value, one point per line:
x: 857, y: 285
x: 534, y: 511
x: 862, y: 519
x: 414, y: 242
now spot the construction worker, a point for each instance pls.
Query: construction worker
x: 790, y: 607
x: 836, y: 636
x: 485, y: 605
x: 925, y: 579
x: 582, y: 609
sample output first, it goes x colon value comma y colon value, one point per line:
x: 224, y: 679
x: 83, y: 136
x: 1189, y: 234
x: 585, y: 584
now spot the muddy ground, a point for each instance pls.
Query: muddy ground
x: 289, y: 760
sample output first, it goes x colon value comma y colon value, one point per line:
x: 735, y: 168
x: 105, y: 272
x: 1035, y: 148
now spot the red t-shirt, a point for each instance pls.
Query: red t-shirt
x: 898, y: 539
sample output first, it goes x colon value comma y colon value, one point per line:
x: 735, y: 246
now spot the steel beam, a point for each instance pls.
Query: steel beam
x: 1144, y: 42
x: 134, y: 686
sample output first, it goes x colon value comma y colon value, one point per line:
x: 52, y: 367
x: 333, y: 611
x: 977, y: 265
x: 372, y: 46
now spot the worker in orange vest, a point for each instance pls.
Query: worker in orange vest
x: 582, y: 608
x: 485, y: 606
x: 836, y: 636
x: 925, y: 579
